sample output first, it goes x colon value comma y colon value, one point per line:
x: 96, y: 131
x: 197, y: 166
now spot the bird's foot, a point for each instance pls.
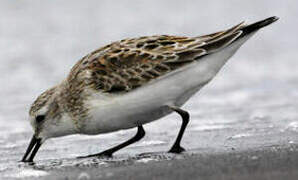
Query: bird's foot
x: 104, y: 154
x: 176, y: 149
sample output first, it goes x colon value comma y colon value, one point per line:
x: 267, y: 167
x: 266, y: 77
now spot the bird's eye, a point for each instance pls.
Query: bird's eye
x: 40, y: 118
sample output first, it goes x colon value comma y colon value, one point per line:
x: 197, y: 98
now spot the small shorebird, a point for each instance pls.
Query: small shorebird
x: 133, y: 82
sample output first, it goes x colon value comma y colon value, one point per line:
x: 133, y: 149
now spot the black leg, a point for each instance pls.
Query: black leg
x: 109, y: 153
x: 176, y: 148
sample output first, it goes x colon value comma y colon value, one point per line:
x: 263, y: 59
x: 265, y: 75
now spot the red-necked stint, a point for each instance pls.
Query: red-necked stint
x: 132, y: 82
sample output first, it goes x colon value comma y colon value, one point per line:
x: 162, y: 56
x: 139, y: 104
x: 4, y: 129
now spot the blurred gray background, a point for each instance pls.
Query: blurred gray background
x: 41, y: 40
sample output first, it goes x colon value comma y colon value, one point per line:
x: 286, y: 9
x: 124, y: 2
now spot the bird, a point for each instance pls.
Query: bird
x: 132, y: 82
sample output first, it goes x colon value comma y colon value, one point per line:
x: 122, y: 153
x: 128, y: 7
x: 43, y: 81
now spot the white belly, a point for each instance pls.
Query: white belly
x: 149, y: 103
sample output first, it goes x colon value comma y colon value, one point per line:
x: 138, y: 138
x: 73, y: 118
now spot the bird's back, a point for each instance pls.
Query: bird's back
x: 131, y: 63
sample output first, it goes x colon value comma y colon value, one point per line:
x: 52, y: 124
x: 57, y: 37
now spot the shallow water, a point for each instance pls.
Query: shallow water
x: 252, y: 98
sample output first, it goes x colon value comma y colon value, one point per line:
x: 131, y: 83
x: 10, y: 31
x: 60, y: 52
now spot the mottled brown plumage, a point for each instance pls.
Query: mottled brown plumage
x: 130, y: 63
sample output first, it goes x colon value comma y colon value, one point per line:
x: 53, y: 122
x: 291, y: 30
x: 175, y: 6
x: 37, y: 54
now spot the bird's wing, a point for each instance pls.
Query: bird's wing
x: 130, y: 63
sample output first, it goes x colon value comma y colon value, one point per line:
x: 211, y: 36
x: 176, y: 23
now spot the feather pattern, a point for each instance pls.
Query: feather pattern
x: 130, y: 63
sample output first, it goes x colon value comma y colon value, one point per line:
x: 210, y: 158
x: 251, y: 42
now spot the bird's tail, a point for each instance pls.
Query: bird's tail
x: 216, y: 41
x: 257, y: 25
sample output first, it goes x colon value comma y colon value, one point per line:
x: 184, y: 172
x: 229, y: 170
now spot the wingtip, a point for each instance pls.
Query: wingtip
x: 267, y: 21
x: 275, y: 18
x: 264, y: 22
x: 258, y: 25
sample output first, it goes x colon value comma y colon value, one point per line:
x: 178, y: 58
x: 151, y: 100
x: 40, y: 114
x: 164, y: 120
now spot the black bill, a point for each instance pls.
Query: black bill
x: 35, y: 144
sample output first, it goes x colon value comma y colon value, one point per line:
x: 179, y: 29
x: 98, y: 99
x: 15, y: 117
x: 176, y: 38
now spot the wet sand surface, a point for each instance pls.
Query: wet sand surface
x: 244, y: 123
x: 272, y: 163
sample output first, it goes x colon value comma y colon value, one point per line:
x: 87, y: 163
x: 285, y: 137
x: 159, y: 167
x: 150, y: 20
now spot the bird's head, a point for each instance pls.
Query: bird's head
x: 48, y: 120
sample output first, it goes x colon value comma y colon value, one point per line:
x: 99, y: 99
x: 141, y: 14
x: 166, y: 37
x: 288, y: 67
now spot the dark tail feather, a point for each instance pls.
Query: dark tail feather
x: 258, y: 25
x: 226, y: 38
